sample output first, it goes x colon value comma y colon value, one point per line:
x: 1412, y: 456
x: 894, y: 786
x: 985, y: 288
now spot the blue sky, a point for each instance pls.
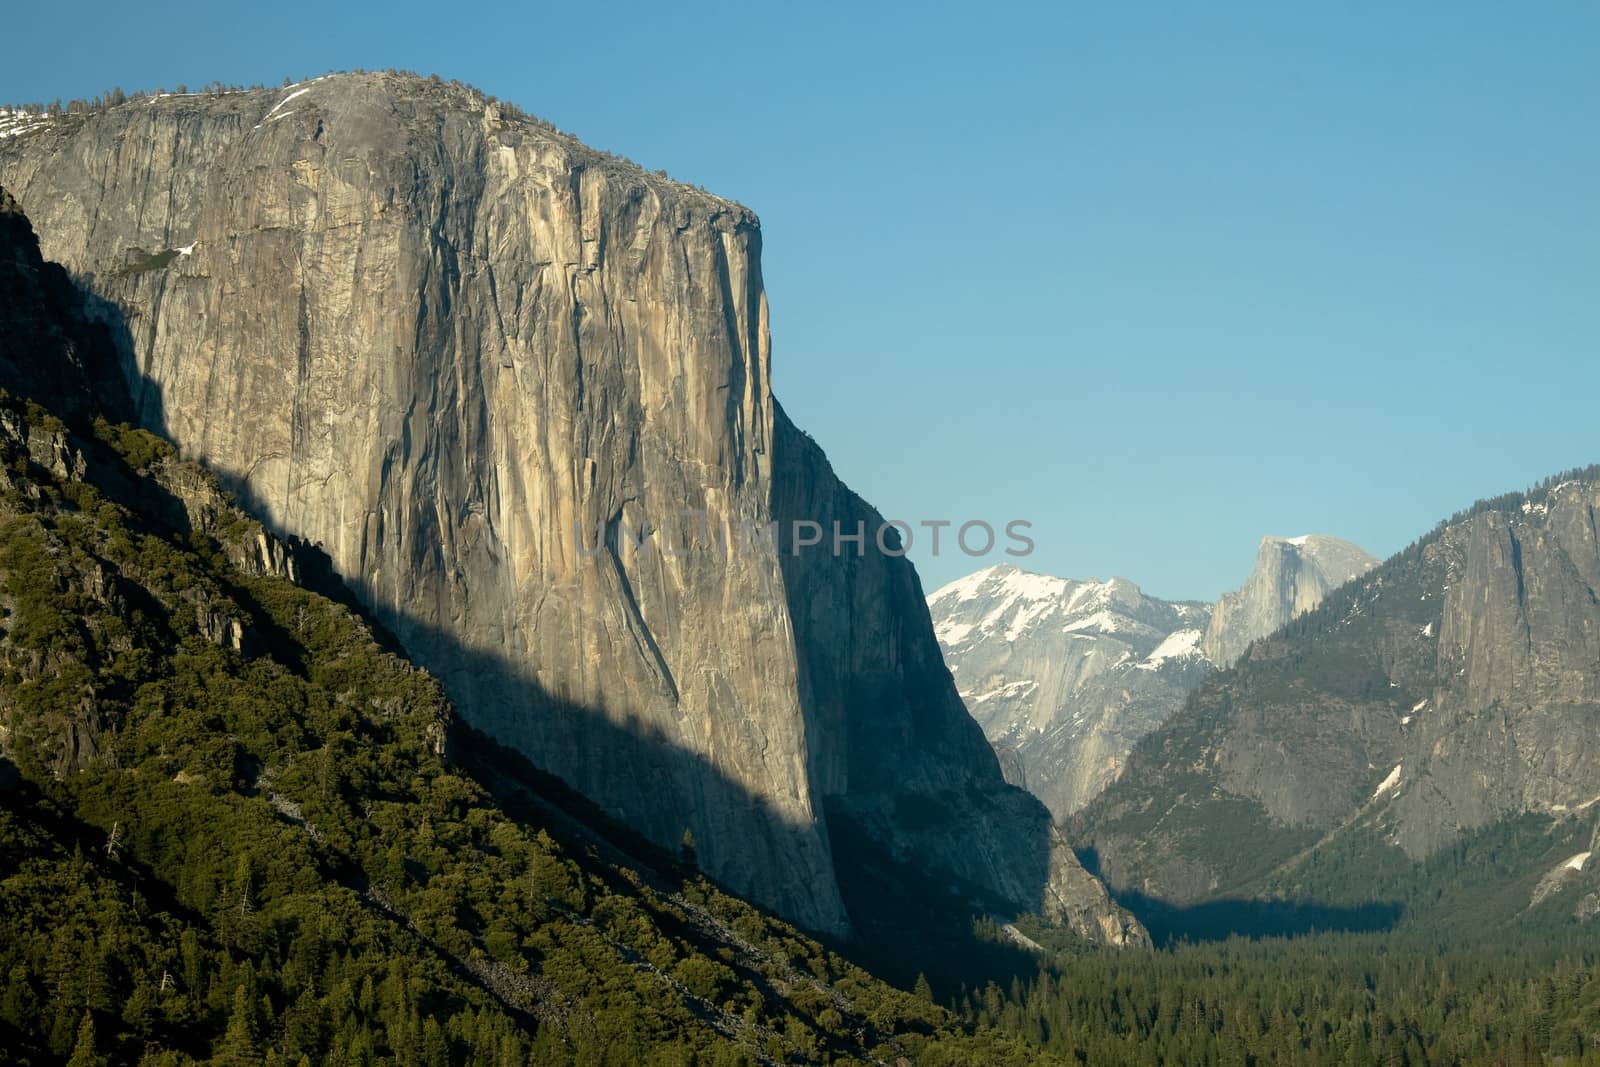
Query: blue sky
x: 1159, y: 278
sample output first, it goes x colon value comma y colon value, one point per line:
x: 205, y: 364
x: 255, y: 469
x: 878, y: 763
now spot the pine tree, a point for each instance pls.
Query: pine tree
x: 83, y: 1053
x: 686, y: 850
x: 241, y: 1045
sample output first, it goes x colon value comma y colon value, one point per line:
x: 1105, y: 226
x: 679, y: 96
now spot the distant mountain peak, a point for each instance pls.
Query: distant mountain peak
x: 1291, y: 576
x: 1065, y: 675
x: 1049, y: 665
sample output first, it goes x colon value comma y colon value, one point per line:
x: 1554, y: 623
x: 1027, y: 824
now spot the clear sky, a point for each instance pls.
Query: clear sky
x: 1159, y: 278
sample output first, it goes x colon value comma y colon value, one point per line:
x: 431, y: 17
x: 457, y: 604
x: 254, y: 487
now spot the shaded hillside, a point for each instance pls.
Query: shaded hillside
x: 1421, y: 709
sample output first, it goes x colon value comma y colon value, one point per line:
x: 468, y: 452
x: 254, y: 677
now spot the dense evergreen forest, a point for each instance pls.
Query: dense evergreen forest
x: 235, y: 828
x: 1327, y: 999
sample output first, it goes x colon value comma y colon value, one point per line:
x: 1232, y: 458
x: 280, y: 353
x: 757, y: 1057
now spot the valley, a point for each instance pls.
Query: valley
x: 355, y: 709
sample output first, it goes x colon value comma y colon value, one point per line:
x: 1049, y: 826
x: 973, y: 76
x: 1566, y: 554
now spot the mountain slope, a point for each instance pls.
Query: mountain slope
x: 520, y: 393
x: 1441, y: 698
x: 233, y: 825
x: 1064, y: 676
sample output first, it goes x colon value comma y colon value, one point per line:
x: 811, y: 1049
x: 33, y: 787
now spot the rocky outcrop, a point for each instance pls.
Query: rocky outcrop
x: 519, y: 393
x: 1454, y: 687
x: 1512, y: 721
x: 1291, y: 576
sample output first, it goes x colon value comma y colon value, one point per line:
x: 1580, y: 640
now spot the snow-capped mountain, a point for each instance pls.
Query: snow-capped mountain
x: 1065, y: 676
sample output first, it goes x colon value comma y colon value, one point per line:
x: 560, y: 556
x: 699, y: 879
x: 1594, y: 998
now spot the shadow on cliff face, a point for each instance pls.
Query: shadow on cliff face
x: 904, y: 920
x: 683, y: 794
x: 65, y: 347
x: 921, y: 821
x: 87, y: 369
x: 1171, y: 923
x: 883, y: 789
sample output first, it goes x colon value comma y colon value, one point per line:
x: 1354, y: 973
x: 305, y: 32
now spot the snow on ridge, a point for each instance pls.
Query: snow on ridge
x: 14, y: 121
x: 1104, y: 621
x: 964, y: 589
x: 1013, y: 597
x: 1388, y: 783
x: 277, y: 107
x: 1008, y: 602
x: 1028, y: 597
x: 1298, y: 542
x: 1025, y: 585
x: 271, y: 115
x: 1094, y: 591
x: 1179, y: 643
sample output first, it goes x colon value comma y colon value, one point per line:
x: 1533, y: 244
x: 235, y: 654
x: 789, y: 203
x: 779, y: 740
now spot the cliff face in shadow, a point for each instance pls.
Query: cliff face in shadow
x: 519, y: 392
x: 57, y: 338
x: 905, y: 762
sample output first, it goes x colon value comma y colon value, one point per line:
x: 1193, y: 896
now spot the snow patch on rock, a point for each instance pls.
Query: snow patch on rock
x: 1177, y: 644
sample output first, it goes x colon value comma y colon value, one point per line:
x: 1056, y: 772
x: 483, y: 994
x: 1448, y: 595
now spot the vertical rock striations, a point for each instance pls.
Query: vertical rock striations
x: 514, y: 389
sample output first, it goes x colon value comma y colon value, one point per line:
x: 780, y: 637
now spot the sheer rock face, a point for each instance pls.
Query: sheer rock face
x: 1513, y: 721
x: 472, y: 360
x: 1291, y: 576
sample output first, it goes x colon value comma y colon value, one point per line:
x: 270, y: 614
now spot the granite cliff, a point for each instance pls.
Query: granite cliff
x: 205, y: 760
x: 1291, y: 576
x: 519, y: 393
